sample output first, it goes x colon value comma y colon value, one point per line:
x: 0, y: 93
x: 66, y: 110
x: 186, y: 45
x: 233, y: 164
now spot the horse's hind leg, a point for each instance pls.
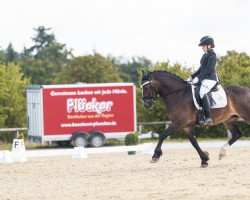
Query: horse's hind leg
x: 203, y: 155
x: 231, y: 125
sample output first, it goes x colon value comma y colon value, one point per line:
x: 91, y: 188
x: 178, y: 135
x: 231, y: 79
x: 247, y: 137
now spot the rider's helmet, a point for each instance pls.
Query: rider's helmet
x: 207, y: 40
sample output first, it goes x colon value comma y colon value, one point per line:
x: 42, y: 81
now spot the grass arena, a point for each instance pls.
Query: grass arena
x: 177, y: 175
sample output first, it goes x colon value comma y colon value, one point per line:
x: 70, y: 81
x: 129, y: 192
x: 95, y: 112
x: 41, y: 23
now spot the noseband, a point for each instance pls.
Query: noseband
x: 153, y: 90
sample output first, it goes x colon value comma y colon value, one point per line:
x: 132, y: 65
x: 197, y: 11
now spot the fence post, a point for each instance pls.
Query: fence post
x: 140, y: 128
x: 17, y: 134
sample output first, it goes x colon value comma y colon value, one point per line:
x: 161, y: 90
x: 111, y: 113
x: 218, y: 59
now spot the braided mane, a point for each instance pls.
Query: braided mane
x: 169, y: 74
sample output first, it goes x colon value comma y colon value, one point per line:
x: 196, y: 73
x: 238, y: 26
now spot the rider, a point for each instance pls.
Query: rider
x: 206, y: 75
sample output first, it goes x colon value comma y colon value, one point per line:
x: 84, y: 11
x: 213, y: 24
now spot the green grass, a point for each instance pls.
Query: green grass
x: 5, y: 146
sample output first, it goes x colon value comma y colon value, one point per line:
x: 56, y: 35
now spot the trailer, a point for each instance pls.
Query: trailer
x: 80, y: 114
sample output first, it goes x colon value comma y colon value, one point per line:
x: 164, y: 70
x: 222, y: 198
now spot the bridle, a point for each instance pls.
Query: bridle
x: 153, y: 91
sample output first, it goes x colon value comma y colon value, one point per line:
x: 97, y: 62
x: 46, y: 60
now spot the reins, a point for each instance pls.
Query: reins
x: 177, y: 90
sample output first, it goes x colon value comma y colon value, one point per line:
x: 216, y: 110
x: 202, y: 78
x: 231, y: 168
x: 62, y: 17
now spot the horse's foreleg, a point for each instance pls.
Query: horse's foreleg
x: 203, y: 155
x: 231, y: 125
x: 158, y: 152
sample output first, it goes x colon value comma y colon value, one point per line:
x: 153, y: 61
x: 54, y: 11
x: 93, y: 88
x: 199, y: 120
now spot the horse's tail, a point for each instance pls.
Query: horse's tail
x: 239, y: 96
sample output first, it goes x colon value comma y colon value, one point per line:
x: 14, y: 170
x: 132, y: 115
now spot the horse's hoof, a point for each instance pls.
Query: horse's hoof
x: 222, y: 156
x: 204, y: 165
x: 154, y: 160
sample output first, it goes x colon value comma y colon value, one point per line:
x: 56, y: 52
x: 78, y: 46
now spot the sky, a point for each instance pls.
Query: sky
x: 160, y: 30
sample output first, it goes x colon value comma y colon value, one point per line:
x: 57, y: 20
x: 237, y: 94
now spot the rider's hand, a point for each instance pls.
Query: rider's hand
x: 195, y: 80
x: 189, y: 79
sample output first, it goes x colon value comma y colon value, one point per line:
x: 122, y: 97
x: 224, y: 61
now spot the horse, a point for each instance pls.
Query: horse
x: 177, y: 96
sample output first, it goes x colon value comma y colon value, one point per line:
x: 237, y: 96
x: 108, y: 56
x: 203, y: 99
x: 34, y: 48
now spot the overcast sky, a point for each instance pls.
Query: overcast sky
x: 157, y: 29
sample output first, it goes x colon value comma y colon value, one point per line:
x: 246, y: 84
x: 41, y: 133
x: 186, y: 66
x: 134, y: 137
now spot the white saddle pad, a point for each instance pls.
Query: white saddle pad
x: 219, y: 98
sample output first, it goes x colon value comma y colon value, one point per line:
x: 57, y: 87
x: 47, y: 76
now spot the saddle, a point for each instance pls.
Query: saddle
x: 197, y: 94
x: 217, y: 98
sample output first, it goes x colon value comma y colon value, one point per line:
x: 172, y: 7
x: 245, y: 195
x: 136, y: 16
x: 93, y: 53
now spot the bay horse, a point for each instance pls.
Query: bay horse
x: 177, y: 96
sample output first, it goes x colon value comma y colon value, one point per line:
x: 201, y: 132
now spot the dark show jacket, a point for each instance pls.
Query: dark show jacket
x: 207, y: 68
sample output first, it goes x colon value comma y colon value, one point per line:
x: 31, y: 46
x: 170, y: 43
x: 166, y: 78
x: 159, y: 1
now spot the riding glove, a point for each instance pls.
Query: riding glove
x: 189, y: 79
x: 195, y: 80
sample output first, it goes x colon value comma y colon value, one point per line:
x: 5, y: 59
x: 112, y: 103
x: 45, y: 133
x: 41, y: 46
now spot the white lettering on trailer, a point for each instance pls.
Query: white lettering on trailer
x: 85, y: 92
x: 118, y: 91
x: 81, y: 105
x: 106, y: 92
x: 93, y: 124
x: 63, y: 93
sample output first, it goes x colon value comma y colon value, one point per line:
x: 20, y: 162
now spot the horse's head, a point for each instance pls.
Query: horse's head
x: 150, y: 90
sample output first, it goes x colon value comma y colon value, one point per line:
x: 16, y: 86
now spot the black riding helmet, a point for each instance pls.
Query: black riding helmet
x: 207, y: 40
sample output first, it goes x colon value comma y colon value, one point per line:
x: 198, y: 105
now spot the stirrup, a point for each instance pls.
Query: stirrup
x: 208, y: 121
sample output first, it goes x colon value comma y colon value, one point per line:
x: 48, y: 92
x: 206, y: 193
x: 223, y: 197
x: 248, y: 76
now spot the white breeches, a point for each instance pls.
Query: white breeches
x: 206, y: 86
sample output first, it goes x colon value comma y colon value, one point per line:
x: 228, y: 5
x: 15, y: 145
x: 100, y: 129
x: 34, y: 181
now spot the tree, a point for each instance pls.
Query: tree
x: 10, y: 54
x: 128, y: 70
x: 234, y: 69
x: 89, y: 69
x: 40, y: 71
x: 12, y: 96
x: 41, y: 40
x: 45, y: 58
x: 2, y: 57
x: 176, y: 68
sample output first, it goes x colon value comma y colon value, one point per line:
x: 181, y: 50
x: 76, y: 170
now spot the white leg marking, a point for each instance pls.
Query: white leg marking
x: 223, y: 150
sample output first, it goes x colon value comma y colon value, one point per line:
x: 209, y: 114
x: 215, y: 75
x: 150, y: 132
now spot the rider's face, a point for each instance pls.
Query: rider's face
x: 204, y: 48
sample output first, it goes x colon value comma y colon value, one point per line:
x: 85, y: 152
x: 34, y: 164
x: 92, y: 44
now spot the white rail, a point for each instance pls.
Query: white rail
x: 13, y: 130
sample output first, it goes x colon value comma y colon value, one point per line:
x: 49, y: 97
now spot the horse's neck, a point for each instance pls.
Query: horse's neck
x: 176, y: 97
x: 170, y: 85
x: 172, y: 90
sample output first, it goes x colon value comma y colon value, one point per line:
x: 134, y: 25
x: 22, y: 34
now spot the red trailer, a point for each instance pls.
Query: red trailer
x: 81, y: 113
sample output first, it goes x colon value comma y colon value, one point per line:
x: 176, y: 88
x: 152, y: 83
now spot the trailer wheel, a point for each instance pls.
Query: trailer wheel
x: 96, y: 139
x: 79, y: 139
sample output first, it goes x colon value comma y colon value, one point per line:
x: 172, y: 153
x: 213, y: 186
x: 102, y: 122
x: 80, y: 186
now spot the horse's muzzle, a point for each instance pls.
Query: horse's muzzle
x: 147, y: 104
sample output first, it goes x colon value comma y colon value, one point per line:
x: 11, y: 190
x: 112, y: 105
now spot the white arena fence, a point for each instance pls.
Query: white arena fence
x: 20, y: 154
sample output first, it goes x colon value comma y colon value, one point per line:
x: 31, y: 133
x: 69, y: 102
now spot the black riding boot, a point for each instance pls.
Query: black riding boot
x: 207, y: 109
